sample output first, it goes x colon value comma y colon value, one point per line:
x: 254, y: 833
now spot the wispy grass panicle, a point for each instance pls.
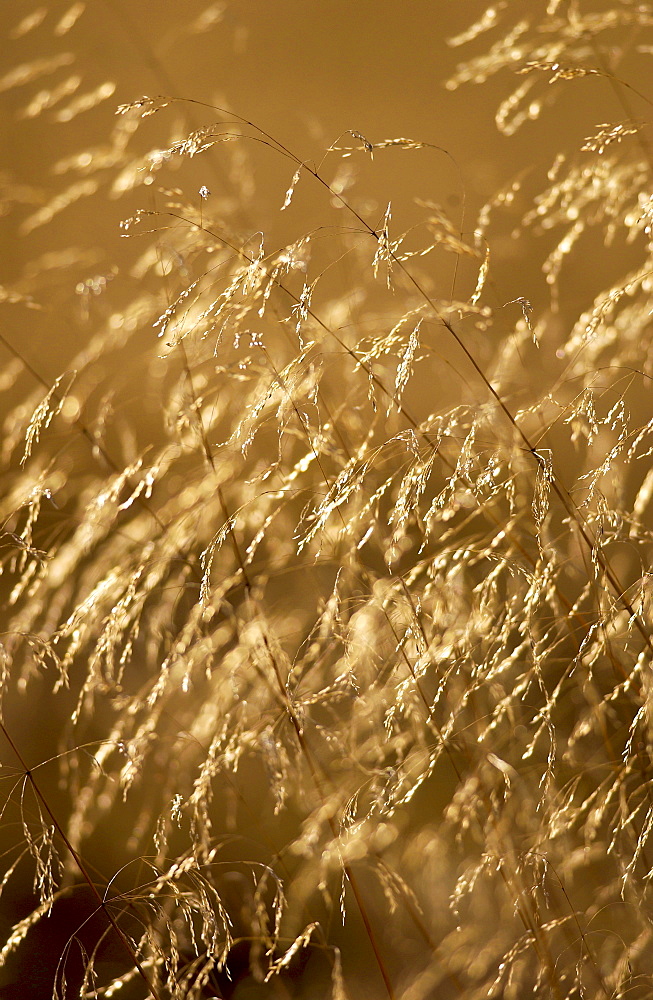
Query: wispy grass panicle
x: 325, y: 567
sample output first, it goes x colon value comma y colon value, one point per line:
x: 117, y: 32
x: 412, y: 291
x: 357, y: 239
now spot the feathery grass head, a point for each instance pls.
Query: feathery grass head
x: 325, y: 666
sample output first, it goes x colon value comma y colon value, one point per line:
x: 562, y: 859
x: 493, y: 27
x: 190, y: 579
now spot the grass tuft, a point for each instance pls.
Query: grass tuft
x: 325, y: 567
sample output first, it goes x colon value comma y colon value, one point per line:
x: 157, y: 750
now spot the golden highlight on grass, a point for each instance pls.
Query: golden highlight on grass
x: 319, y: 676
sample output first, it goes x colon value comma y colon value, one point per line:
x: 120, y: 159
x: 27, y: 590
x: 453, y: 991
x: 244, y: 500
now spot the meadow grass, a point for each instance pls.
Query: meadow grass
x: 326, y: 580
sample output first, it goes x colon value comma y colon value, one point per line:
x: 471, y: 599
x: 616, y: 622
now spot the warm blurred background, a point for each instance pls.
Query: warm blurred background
x: 308, y: 74
x: 305, y: 74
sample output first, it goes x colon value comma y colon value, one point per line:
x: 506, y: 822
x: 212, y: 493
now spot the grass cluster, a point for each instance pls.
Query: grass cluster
x: 326, y: 645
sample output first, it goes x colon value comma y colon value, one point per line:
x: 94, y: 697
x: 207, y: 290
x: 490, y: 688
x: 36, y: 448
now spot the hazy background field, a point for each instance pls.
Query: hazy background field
x: 306, y: 74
